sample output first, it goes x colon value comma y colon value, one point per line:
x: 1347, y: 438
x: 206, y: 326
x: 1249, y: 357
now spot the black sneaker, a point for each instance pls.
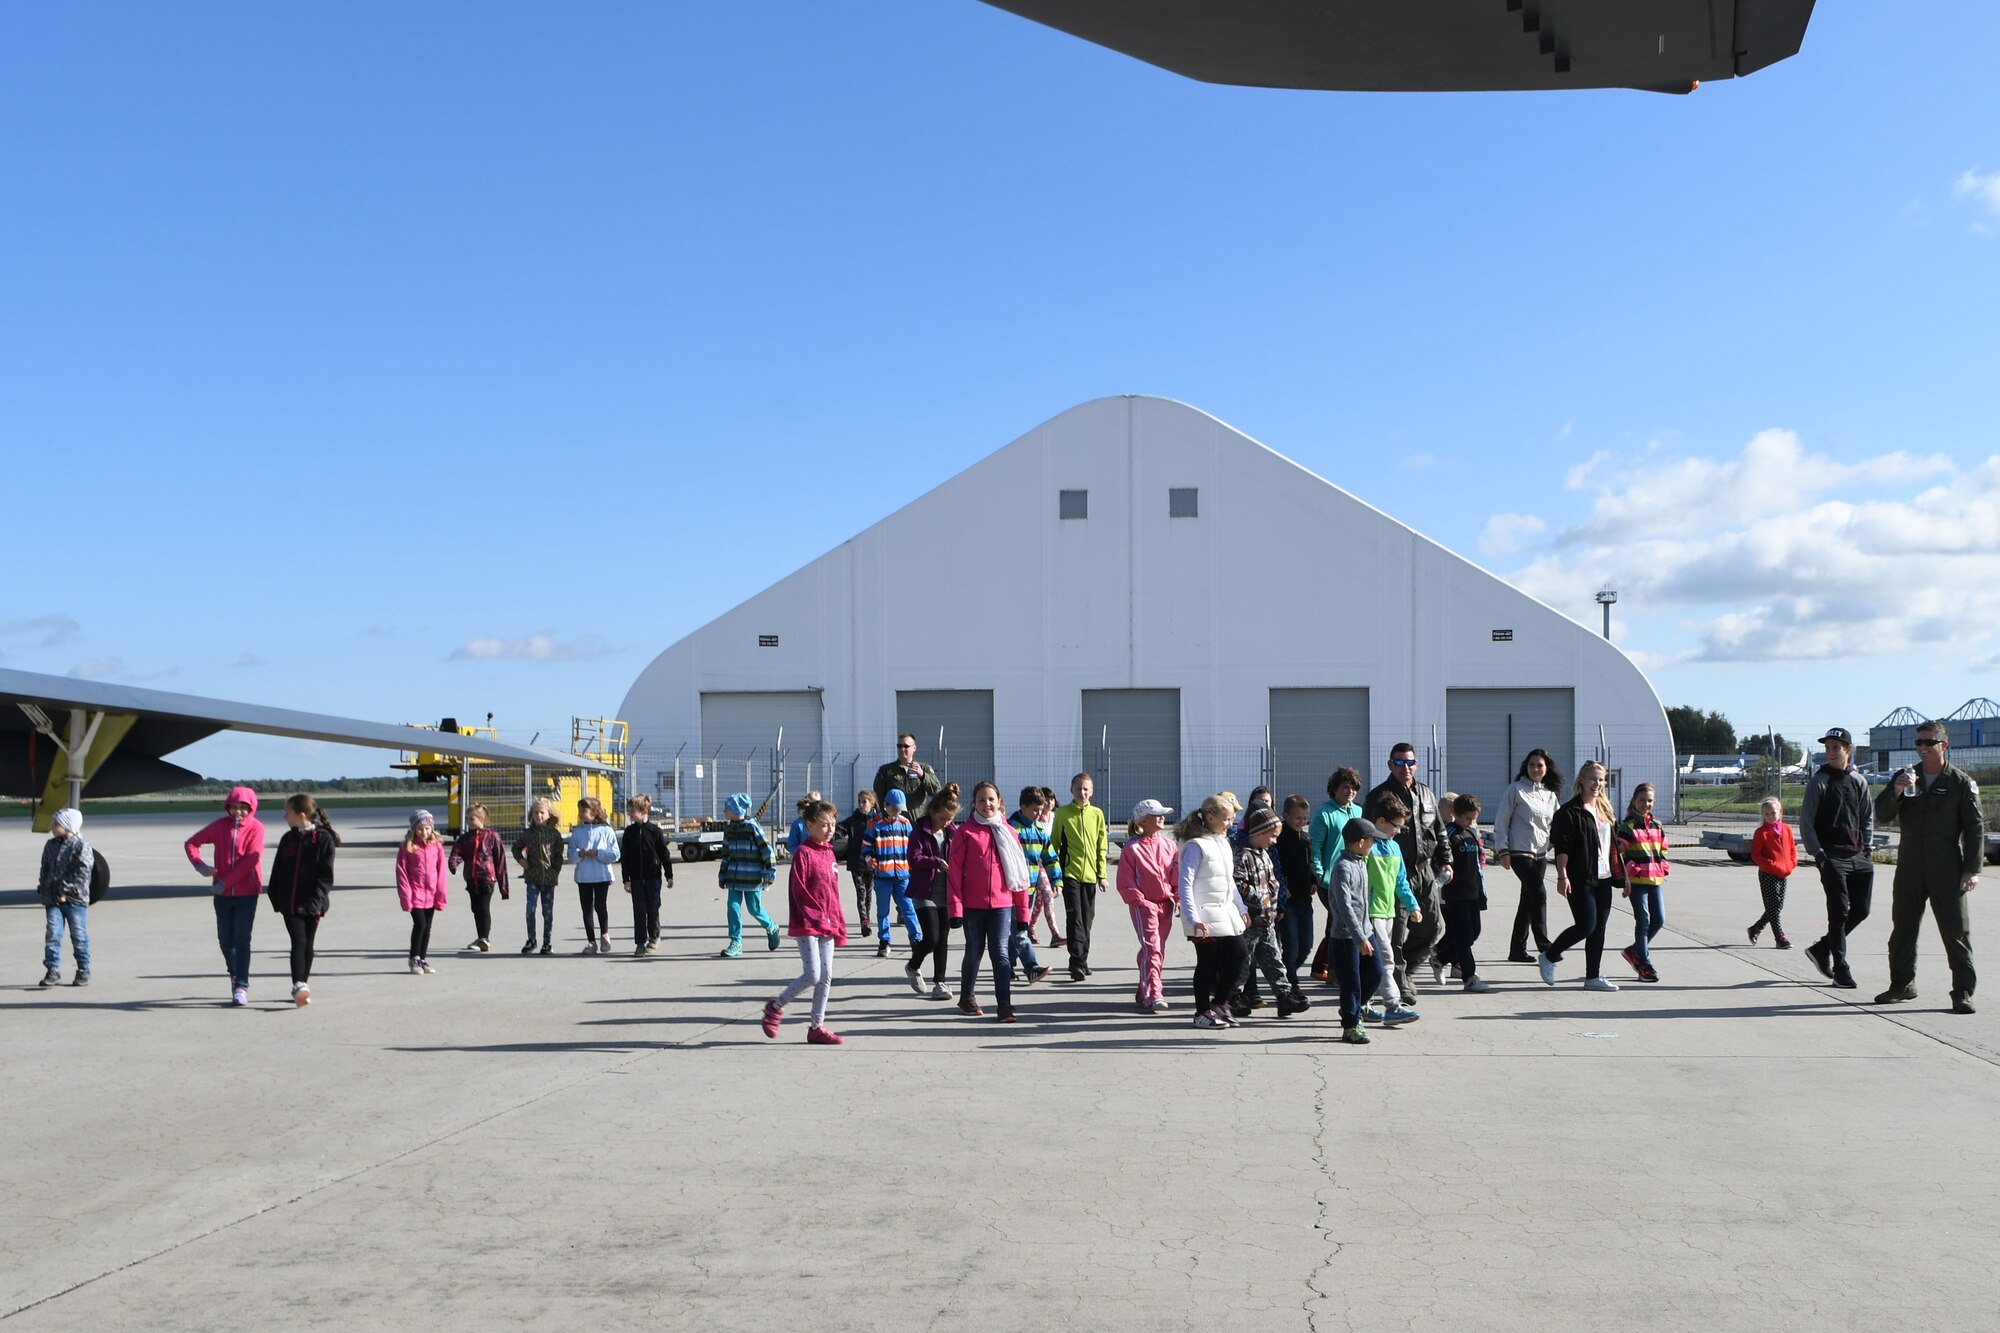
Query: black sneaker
x: 50, y: 978
x: 1896, y: 995
x: 1843, y: 979
x: 529, y: 947
x: 546, y: 949
x: 1961, y: 1003
x: 1239, y: 1010
x: 83, y: 979
x: 1822, y: 958
x: 882, y: 950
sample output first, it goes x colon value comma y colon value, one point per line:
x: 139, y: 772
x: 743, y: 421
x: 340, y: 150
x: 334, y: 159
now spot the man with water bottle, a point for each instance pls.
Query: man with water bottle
x: 1937, y: 863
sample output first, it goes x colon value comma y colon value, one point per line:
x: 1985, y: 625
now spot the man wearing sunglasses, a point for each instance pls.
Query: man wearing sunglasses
x: 907, y: 774
x: 1937, y: 863
x: 1427, y: 859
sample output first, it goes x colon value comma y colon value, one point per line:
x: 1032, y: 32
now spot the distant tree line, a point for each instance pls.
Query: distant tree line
x: 1696, y: 732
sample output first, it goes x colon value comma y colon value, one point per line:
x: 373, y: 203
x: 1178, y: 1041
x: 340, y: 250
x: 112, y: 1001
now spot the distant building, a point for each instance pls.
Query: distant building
x: 1137, y: 590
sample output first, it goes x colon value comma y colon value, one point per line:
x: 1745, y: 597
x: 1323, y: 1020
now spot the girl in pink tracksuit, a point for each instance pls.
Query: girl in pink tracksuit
x: 237, y: 840
x: 1148, y: 874
x: 422, y: 880
x: 819, y: 922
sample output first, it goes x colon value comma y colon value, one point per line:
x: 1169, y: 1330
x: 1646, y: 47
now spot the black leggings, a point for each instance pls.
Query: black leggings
x: 936, y: 943
x: 302, y: 929
x: 1772, y: 889
x: 1218, y: 962
x: 595, y: 898
x: 1533, y: 913
x: 482, y: 908
x: 1590, y: 905
x: 420, y: 931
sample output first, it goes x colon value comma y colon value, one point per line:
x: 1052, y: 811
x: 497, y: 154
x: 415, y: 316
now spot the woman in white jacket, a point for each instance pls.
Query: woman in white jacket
x: 1211, y: 910
x: 1521, y: 843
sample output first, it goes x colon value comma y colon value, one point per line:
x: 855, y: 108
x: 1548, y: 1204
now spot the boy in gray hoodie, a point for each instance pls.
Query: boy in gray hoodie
x: 1350, y: 949
x: 64, y: 891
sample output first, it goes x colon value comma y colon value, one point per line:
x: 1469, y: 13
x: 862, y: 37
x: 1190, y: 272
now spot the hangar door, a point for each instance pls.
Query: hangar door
x: 1132, y: 747
x: 1486, y: 733
x: 1314, y: 732
x: 963, y: 720
x: 745, y: 726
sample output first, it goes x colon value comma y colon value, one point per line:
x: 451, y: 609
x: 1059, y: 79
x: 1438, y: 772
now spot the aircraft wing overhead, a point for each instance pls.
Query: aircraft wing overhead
x: 1438, y: 45
x: 158, y: 722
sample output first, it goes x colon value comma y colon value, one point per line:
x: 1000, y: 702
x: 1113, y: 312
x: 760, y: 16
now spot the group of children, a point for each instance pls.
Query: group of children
x: 1242, y: 881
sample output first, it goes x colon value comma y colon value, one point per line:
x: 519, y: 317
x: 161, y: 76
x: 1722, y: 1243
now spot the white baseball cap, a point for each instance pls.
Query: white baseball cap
x: 1149, y: 806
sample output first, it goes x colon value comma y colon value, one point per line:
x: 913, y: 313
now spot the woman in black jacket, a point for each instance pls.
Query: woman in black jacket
x: 1580, y: 837
x: 301, y: 883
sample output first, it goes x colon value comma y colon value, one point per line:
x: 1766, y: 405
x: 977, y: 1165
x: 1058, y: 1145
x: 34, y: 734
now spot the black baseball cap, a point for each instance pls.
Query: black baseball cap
x: 1359, y: 828
x: 1841, y: 734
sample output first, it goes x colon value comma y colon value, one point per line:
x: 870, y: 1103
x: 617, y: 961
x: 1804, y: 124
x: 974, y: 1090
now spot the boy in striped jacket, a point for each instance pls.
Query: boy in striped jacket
x: 1044, y: 876
x: 887, y: 852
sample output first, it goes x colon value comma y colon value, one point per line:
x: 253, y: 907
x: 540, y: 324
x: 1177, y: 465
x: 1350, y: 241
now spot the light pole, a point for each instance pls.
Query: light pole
x: 1606, y: 599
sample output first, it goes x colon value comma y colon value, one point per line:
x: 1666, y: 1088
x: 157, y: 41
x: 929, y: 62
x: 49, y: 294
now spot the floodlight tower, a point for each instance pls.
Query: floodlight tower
x: 1607, y: 599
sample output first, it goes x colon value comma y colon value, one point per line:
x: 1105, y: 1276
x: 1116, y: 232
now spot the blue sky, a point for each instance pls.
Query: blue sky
x: 409, y: 360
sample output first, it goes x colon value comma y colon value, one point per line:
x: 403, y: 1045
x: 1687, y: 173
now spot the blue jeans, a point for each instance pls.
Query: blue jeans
x: 547, y: 894
x: 233, y: 919
x: 1021, y: 950
x: 1296, y: 937
x: 74, y: 913
x: 754, y: 900
x: 896, y: 888
x: 1358, y: 976
x: 1647, y: 918
x: 986, y: 931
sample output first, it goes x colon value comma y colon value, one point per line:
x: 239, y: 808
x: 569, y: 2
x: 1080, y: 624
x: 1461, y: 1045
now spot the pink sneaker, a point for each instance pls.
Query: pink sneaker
x: 824, y: 1037
x: 773, y: 1013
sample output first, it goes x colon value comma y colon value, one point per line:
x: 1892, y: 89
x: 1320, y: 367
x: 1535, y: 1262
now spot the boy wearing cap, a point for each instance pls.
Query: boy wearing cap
x: 63, y: 889
x: 1148, y: 870
x: 748, y: 868
x: 1350, y: 947
x: 1257, y: 886
x: 887, y: 852
x: 1837, y: 826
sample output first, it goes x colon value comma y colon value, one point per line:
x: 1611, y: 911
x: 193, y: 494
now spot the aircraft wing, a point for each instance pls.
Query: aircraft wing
x: 127, y: 730
x: 1439, y: 45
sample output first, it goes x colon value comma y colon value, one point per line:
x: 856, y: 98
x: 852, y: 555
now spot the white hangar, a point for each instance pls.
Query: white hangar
x: 1167, y: 610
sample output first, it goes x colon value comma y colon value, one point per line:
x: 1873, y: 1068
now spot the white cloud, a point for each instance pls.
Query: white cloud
x: 1505, y: 534
x: 97, y: 668
x: 533, y: 648
x: 1981, y: 187
x: 1578, y: 477
x: 1568, y: 426
x: 50, y: 631
x: 1781, y: 555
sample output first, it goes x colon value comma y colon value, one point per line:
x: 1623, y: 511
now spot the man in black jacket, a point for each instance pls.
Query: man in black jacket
x: 1836, y: 827
x: 1426, y: 859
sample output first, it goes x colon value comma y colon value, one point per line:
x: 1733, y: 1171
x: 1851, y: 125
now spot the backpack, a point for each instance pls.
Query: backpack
x: 100, y: 877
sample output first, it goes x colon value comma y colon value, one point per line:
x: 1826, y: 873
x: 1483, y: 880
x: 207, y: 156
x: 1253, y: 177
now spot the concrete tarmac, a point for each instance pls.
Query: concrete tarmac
x: 573, y: 1141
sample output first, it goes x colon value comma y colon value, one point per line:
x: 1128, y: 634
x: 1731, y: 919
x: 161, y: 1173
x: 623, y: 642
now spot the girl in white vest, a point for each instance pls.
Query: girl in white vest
x: 1211, y: 909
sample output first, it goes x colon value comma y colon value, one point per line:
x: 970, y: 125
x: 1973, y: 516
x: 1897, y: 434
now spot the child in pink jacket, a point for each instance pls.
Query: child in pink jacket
x: 422, y: 878
x: 819, y: 922
x: 237, y: 840
x: 1148, y: 870
x: 985, y: 870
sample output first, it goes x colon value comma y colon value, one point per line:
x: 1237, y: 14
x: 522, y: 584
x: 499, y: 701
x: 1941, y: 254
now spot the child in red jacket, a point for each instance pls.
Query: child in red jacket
x: 819, y: 924
x: 237, y: 840
x: 1777, y: 856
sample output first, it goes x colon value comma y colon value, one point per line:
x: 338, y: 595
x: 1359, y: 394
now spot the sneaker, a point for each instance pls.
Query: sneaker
x: 1475, y: 986
x: 1354, y: 1037
x: 1651, y: 975
x: 1896, y: 995
x: 1548, y: 968
x: 824, y: 1037
x: 1076, y: 974
x: 1228, y: 1019
x: 416, y: 970
x: 1285, y: 1006
x: 1843, y: 979
x: 1630, y: 954
x: 771, y: 939
x: 1437, y: 972
x: 1159, y: 1006
x: 302, y: 995
x: 604, y: 945
x: 881, y: 950
x: 937, y: 992
x: 774, y: 1013
x: 652, y: 946
x: 1395, y: 1018
x: 1300, y: 1003
x: 239, y: 997
x: 638, y: 951
x: 1780, y: 942
x: 1457, y: 973
x: 1057, y: 941
x: 1372, y: 1014
x: 1599, y: 983
x: 529, y: 947
x: 472, y: 947
x: 970, y: 1008
x: 590, y: 946
x: 424, y: 966
x: 914, y: 977
x: 1961, y: 1003
x: 1239, y: 1011
x: 82, y: 978
x: 1037, y: 975
x: 1821, y: 955
x: 1206, y: 1019
x: 1755, y: 933
x: 1004, y: 1016
x: 545, y: 949
x: 484, y: 946
x: 51, y: 977
x: 730, y: 950
x: 1519, y: 958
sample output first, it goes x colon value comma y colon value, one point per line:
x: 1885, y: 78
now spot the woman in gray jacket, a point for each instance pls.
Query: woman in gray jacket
x: 1521, y: 844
